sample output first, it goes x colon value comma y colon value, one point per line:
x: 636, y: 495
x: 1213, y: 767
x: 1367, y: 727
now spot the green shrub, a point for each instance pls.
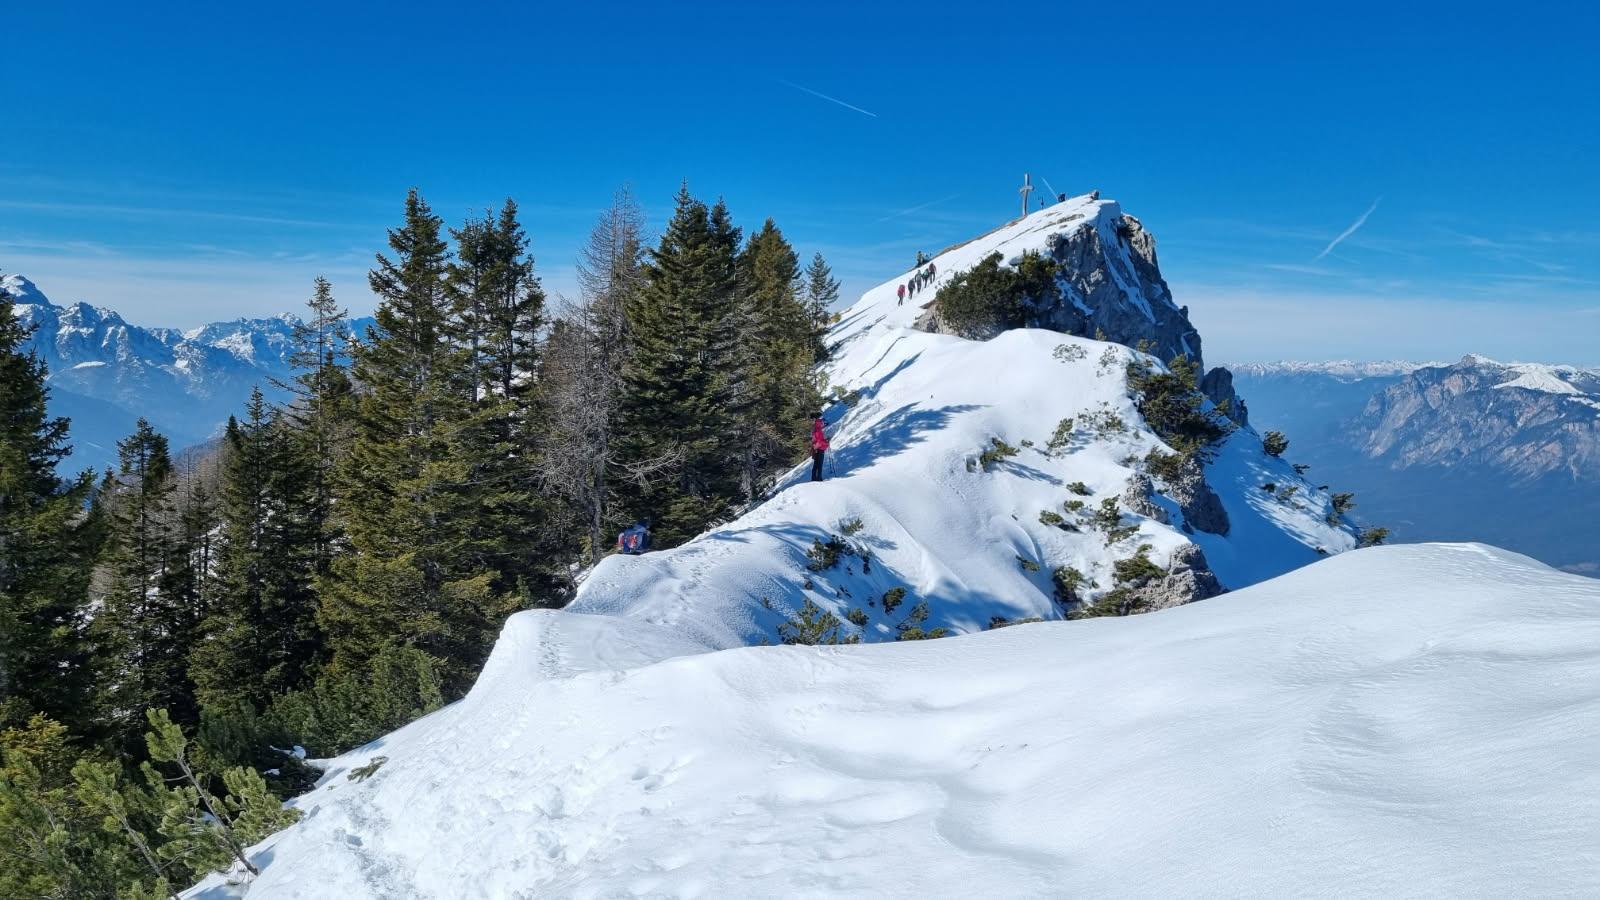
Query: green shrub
x: 1070, y: 352
x: 1061, y: 438
x: 1003, y: 622
x: 1027, y: 564
x: 998, y: 450
x: 991, y: 297
x: 851, y: 527
x: 1074, y: 506
x: 1136, y: 569
x: 824, y: 555
x: 857, y: 617
x: 1079, y: 488
x: 1274, y: 443
x: 892, y: 599
x: 1105, y: 421
x: 1067, y: 581
x: 812, y: 625
x: 1372, y: 537
x: 1169, y: 467
x: 1270, y: 487
x: 1175, y: 409
x: 1051, y: 518
x: 1343, y: 502
x: 342, y: 711
x: 910, y: 629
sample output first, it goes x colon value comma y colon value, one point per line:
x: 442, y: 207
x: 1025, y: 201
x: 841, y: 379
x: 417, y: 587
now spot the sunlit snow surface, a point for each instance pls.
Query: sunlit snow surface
x: 1393, y: 722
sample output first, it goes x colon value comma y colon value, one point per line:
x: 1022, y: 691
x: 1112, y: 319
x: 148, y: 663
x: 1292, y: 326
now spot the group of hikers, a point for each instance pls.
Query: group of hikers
x: 920, y: 280
x: 635, y: 539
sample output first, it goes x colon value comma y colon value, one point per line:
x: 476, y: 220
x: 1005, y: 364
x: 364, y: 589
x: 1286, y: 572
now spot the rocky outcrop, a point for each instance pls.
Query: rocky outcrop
x: 1217, y: 385
x: 1110, y: 284
x: 1201, y: 507
x: 1139, y: 499
x: 1522, y: 421
x: 1188, y: 578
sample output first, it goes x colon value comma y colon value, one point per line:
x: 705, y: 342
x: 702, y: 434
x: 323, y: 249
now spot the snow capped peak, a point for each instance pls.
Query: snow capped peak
x: 1339, y: 368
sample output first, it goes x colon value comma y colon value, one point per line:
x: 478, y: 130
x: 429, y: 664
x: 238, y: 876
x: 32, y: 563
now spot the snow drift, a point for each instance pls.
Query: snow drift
x: 1399, y: 721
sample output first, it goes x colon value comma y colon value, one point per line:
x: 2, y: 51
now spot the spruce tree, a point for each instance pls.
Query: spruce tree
x: 775, y: 390
x: 261, y: 636
x: 820, y: 294
x: 47, y: 543
x: 497, y: 313
x: 317, y: 419
x: 409, y: 575
x: 144, y: 629
x: 679, y: 373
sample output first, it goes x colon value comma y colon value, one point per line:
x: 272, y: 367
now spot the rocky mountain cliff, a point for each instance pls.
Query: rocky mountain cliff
x: 1523, y: 420
x: 1108, y: 286
x: 1476, y: 450
x: 106, y: 372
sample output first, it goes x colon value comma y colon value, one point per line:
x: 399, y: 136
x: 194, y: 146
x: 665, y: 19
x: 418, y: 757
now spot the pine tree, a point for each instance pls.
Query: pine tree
x: 497, y: 313
x: 410, y: 575
x: 821, y: 293
x: 261, y: 637
x: 679, y: 372
x: 317, y: 420
x: 144, y: 629
x: 47, y: 544
x: 582, y: 377
x: 775, y: 391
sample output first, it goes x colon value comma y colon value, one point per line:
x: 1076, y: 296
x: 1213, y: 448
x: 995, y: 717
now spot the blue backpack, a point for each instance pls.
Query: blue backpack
x: 634, y: 540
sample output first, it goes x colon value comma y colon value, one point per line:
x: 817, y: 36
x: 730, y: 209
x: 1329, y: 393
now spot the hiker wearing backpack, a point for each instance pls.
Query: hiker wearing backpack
x: 819, y: 446
x: 635, y: 539
x: 901, y: 293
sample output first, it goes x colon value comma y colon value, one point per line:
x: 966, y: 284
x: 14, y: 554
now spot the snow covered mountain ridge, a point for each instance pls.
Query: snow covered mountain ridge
x: 1338, y: 368
x: 105, y: 372
x: 614, y: 749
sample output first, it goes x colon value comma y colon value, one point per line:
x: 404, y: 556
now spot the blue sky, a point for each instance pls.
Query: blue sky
x: 187, y: 163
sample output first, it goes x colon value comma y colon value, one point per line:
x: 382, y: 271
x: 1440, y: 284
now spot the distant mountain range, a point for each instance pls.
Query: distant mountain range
x: 1507, y: 453
x: 105, y: 372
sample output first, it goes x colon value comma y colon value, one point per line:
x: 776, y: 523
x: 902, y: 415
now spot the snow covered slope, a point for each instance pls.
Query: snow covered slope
x: 1406, y: 721
x: 948, y: 532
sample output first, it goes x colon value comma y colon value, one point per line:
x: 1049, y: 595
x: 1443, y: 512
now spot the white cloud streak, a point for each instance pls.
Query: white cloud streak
x: 801, y: 87
x: 1354, y: 227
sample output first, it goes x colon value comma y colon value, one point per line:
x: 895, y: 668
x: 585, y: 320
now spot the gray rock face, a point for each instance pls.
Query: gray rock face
x: 1522, y: 421
x: 1109, y: 283
x: 1217, y: 385
x: 1188, y: 578
x: 1139, y: 499
x: 1201, y: 506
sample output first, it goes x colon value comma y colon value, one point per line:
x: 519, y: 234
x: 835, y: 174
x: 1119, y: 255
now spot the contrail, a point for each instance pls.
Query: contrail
x: 918, y: 208
x: 801, y: 87
x: 1348, y: 231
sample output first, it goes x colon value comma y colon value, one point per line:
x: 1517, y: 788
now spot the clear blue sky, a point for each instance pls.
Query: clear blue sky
x: 186, y: 163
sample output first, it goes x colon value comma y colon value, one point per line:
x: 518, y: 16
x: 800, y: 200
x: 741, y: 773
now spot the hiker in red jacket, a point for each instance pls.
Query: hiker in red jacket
x: 819, y: 446
x: 901, y: 292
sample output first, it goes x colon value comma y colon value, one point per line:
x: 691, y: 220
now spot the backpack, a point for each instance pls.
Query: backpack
x: 632, y: 540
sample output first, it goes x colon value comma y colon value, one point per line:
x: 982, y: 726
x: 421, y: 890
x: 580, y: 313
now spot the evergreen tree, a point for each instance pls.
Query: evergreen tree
x: 678, y: 375
x: 47, y: 544
x: 317, y: 421
x: 497, y: 312
x: 144, y: 629
x: 775, y: 391
x: 410, y: 574
x: 261, y: 638
x: 821, y: 293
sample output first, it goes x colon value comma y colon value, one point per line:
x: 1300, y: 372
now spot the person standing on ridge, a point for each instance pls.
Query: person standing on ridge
x: 902, y: 295
x: 819, y: 446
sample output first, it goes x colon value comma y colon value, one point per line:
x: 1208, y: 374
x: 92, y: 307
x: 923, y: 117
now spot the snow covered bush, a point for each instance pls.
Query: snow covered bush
x: 992, y: 297
x: 1274, y: 443
x: 813, y: 625
x: 998, y: 450
x: 1174, y: 407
